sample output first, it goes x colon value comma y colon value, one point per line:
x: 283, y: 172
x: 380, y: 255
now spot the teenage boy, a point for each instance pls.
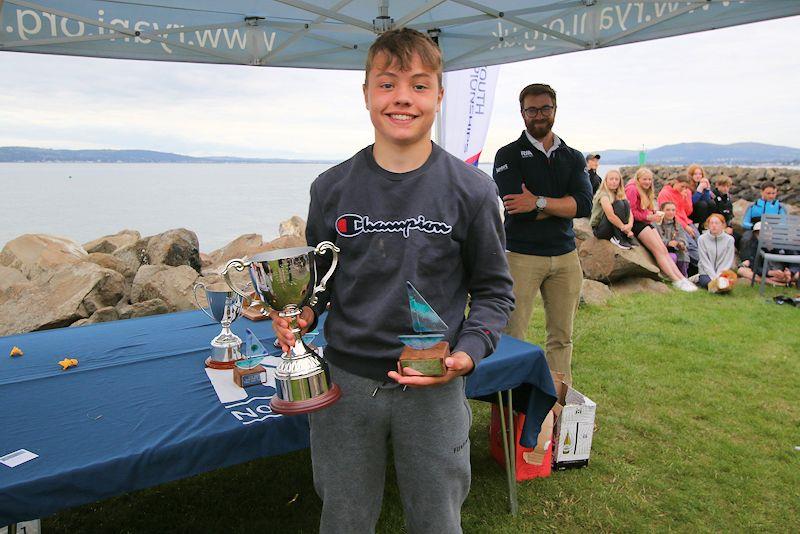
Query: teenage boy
x: 402, y: 210
x: 592, y: 163
x: 768, y: 204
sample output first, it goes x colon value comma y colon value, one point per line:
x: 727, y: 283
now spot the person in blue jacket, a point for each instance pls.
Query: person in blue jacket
x: 768, y: 204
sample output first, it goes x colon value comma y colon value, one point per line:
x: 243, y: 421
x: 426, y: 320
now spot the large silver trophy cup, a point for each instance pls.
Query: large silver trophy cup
x: 287, y: 280
x: 224, y: 307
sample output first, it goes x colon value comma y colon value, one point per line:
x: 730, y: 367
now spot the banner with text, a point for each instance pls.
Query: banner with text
x: 467, y: 111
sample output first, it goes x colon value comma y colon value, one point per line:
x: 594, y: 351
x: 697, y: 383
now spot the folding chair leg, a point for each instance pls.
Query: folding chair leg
x: 764, y: 270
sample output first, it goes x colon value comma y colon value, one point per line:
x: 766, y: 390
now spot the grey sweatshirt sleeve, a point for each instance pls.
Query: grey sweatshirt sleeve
x: 316, y: 232
x: 715, y: 255
x: 488, y: 281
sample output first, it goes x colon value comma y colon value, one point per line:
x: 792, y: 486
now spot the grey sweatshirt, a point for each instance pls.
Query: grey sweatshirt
x: 716, y: 253
x: 438, y: 227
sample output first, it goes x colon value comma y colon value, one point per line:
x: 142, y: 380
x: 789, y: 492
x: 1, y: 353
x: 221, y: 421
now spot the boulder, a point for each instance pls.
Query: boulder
x: 583, y: 230
x: 37, y: 255
x: 639, y: 285
x: 133, y: 256
x: 103, y: 315
x: 109, y: 243
x: 604, y: 262
x: 594, y: 293
x: 112, y: 262
x: 11, y: 277
x: 142, y: 309
x: 173, y: 285
x: 72, y: 293
x: 295, y: 226
x: 174, y: 248
x: 739, y: 208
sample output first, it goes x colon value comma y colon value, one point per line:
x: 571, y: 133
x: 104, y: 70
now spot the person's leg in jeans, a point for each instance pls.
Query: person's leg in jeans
x: 527, y: 271
x: 561, y: 292
x: 430, y: 439
x: 704, y: 281
x: 349, y: 447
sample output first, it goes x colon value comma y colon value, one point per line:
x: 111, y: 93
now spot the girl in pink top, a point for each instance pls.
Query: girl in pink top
x: 639, y: 192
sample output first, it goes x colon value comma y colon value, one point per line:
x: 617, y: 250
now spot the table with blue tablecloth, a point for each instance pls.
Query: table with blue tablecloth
x: 140, y: 409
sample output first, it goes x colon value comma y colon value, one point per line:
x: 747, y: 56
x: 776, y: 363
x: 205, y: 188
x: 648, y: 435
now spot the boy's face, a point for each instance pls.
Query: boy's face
x: 724, y: 189
x: 769, y: 193
x: 402, y: 104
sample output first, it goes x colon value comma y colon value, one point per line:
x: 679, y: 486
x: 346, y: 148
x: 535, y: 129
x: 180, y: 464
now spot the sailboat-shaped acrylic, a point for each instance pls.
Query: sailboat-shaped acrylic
x: 424, y: 351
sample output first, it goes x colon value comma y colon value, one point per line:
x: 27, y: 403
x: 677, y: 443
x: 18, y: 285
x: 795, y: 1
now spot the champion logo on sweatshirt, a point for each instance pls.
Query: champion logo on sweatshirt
x: 353, y: 224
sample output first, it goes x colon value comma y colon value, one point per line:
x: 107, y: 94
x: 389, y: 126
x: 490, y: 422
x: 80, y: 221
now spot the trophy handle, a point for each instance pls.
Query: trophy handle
x: 239, y: 265
x: 196, y: 301
x: 323, y: 247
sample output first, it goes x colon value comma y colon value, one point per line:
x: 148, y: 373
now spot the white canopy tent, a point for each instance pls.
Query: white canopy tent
x: 335, y: 34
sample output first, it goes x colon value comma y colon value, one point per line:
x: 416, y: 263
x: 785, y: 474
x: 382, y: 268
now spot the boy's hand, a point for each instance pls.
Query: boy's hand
x: 458, y: 364
x: 282, y: 330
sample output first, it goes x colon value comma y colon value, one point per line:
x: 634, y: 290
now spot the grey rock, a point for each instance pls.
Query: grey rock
x: 174, y: 248
x: 37, y: 256
x: 142, y: 309
x: 103, y: 315
x: 109, y: 243
x: 295, y: 226
x: 604, y: 262
x: 594, y: 293
x: 173, y: 285
x: 639, y: 285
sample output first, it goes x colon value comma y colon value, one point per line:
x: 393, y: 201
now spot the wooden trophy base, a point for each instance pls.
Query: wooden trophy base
x: 305, y: 406
x: 249, y: 377
x: 213, y: 364
x: 429, y: 362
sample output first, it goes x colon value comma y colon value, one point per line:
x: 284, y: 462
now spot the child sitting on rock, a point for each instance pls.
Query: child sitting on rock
x: 715, y: 250
x: 611, y: 213
x: 674, y: 237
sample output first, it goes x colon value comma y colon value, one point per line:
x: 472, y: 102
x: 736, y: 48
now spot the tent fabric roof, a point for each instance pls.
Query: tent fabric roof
x: 335, y: 34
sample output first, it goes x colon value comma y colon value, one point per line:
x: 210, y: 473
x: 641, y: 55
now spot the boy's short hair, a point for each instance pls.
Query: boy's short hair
x: 536, y: 89
x: 723, y: 180
x: 768, y: 185
x: 400, y: 45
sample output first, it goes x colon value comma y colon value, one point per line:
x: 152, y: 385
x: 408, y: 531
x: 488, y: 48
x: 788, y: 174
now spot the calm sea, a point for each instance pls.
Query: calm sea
x: 219, y: 202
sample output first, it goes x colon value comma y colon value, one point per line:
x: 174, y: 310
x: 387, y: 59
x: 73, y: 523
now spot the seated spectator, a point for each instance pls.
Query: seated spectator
x: 592, y: 162
x: 702, y: 200
x: 678, y: 191
x: 611, y: 214
x: 674, y: 237
x: 643, y: 206
x: 723, y: 205
x: 767, y: 204
x: 778, y: 275
x: 715, y: 249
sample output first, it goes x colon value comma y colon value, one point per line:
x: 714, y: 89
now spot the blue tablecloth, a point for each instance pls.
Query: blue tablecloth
x: 139, y: 409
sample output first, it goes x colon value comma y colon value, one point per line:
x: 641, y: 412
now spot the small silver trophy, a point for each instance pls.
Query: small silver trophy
x: 224, y: 307
x: 287, y: 280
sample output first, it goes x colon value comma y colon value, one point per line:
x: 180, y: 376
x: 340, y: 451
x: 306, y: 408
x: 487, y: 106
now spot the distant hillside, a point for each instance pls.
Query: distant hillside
x: 43, y: 155
x: 707, y: 153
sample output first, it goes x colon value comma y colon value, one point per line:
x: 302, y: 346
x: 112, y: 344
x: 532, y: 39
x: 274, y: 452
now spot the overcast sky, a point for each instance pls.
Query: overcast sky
x: 724, y: 86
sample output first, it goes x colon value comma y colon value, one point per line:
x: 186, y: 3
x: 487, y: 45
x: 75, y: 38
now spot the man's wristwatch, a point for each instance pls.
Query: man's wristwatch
x: 541, y: 204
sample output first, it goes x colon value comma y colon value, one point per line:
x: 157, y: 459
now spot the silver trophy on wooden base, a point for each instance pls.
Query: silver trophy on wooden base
x: 287, y: 280
x: 224, y: 307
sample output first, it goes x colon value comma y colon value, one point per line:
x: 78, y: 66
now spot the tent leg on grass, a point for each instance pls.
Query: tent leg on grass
x: 507, y: 433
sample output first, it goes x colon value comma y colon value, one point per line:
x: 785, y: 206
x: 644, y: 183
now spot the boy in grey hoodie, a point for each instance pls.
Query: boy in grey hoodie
x: 402, y: 210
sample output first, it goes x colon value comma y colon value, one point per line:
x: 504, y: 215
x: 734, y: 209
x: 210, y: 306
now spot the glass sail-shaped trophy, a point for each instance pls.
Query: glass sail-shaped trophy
x: 425, y: 350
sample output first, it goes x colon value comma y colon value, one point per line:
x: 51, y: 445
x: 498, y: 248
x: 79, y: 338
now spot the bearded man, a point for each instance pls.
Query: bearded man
x: 543, y: 184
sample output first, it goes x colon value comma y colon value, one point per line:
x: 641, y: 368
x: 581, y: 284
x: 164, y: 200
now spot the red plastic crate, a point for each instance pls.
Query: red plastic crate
x: 528, y: 460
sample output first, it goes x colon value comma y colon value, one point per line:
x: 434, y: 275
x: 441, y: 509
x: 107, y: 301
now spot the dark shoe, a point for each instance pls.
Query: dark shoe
x: 619, y: 243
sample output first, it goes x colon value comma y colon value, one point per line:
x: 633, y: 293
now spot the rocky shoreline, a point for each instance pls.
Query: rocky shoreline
x: 52, y: 282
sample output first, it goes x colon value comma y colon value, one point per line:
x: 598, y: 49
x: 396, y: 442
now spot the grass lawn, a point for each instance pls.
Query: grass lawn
x: 698, y: 419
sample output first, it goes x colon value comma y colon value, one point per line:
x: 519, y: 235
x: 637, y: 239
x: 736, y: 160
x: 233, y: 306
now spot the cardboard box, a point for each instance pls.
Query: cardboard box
x: 574, y: 427
x: 529, y: 463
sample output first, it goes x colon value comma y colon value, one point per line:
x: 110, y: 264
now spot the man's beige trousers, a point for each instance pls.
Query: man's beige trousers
x: 559, y: 279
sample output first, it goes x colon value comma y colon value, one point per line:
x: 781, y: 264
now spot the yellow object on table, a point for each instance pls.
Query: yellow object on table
x: 66, y: 363
x: 16, y: 351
